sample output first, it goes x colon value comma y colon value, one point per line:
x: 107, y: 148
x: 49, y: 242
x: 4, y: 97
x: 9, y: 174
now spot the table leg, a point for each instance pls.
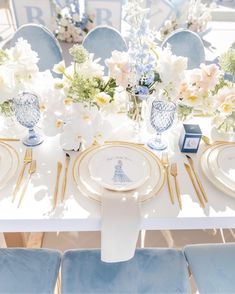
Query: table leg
x: 3, y: 243
x: 35, y: 240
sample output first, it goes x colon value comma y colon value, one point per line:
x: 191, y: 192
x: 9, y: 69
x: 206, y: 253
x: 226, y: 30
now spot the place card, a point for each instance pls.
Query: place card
x: 190, y: 138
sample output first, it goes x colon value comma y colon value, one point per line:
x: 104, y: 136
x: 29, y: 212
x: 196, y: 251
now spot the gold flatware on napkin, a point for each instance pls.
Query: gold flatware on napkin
x: 27, y: 159
x: 207, y: 141
x: 59, y: 168
x: 9, y: 139
x: 32, y: 170
x: 165, y: 163
x: 189, y: 171
x: 190, y: 160
x: 174, y: 173
x: 67, y: 160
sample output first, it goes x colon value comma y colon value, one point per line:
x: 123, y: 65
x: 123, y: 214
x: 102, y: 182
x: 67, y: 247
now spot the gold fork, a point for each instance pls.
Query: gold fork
x: 165, y: 163
x: 174, y: 173
x: 27, y: 159
x: 32, y: 169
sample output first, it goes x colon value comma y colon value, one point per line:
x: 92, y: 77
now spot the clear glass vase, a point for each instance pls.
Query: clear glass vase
x: 136, y: 106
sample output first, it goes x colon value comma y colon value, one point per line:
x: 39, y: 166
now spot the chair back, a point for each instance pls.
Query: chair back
x: 28, y: 270
x: 42, y: 41
x: 186, y: 43
x: 150, y: 271
x: 212, y: 266
x: 101, y: 41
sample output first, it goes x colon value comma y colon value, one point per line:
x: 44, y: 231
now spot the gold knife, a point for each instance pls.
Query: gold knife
x: 188, y: 169
x: 32, y: 169
x: 190, y: 160
x: 59, y: 167
x: 27, y: 159
x: 65, y: 176
x: 165, y: 163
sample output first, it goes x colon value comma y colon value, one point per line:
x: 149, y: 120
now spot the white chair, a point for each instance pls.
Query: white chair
x: 186, y: 43
x: 5, y: 4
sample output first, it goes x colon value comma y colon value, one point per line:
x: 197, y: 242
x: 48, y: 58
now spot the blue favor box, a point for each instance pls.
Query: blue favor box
x: 190, y: 138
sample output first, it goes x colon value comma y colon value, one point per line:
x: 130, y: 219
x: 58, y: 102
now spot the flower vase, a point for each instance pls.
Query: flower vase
x: 136, y: 109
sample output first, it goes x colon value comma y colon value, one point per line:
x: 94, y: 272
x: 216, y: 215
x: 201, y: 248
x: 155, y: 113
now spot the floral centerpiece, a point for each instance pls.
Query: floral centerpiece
x: 71, y: 25
x: 146, y: 68
x: 205, y: 90
x: 83, y: 95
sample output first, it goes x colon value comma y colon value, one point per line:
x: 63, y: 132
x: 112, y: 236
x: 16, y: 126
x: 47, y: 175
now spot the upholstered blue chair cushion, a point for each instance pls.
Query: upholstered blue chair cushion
x: 150, y: 271
x: 213, y: 267
x: 101, y: 41
x: 28, y: 270
x: 188, y: 44
x: 42, y: 41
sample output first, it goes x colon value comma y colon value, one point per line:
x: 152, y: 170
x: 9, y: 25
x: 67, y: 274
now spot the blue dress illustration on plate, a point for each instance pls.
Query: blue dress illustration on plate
x: 119, y: 175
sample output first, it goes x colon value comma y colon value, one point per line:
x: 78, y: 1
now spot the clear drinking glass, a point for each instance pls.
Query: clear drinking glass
x: 27, y: 112
x: 161, y: 118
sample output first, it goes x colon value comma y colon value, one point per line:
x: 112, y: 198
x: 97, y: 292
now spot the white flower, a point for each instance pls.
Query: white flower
x: 171, y: 70
x: 102, y: 99
x: 91, y: 68
x: 119, y: 67
x: 7, y: 85
x: 59, y: 67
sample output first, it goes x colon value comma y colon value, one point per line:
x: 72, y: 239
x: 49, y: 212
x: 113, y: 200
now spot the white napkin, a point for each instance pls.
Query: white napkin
x: 120, y: 226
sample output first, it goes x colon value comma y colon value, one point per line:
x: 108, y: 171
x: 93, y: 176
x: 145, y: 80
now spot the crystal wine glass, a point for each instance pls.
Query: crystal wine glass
x: 27, y: 112
x: 161, y: 119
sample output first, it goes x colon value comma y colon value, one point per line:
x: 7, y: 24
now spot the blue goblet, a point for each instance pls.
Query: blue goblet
x: 27, y: 112
x: 161, y: 119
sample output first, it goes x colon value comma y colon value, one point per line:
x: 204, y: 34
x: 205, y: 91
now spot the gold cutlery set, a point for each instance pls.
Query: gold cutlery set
x: 64, y: 183
x: 28, y: 159
x: 171, y: 169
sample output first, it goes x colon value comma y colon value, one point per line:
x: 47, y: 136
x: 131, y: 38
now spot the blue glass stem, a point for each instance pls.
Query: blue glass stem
x: 32, y: 134
x: 158, y: 139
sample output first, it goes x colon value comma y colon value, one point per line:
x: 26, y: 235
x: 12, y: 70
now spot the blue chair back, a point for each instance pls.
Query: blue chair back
x: 101, y: 41
x: 28, y: 270
x: 150, y: 271
x: 186, y: 43
x: 212, y: 266
x: 42, y: 41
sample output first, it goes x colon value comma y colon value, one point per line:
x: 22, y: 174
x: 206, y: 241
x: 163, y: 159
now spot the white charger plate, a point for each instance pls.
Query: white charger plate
x: 119, y: 168
x: 9, y: 163
x: 221, y: 161
x: 205, y: 165
x: 93, y: 190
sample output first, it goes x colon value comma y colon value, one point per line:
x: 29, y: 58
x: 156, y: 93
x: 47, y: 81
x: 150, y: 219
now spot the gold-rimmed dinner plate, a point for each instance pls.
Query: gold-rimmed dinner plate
x: 118, y: 168
x: 9, y: 163
x: 221, y: 161
x: 211, y: 167
x: 93, y: 190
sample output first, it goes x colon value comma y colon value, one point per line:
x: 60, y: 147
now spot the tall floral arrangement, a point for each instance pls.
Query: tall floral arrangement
x: 198, y: 16
x: 70, y: 23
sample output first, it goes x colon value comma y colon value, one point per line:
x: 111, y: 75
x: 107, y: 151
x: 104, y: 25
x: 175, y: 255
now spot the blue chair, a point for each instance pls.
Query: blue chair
x: 28, y: 270
x: 101, y: 41
x: 186, y: 43
x: 42, y: 41
x: 212, y: 266
x: 150, y: 271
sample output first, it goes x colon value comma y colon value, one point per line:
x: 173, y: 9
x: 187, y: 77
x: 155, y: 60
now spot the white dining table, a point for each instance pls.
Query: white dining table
x: 79, y: 213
